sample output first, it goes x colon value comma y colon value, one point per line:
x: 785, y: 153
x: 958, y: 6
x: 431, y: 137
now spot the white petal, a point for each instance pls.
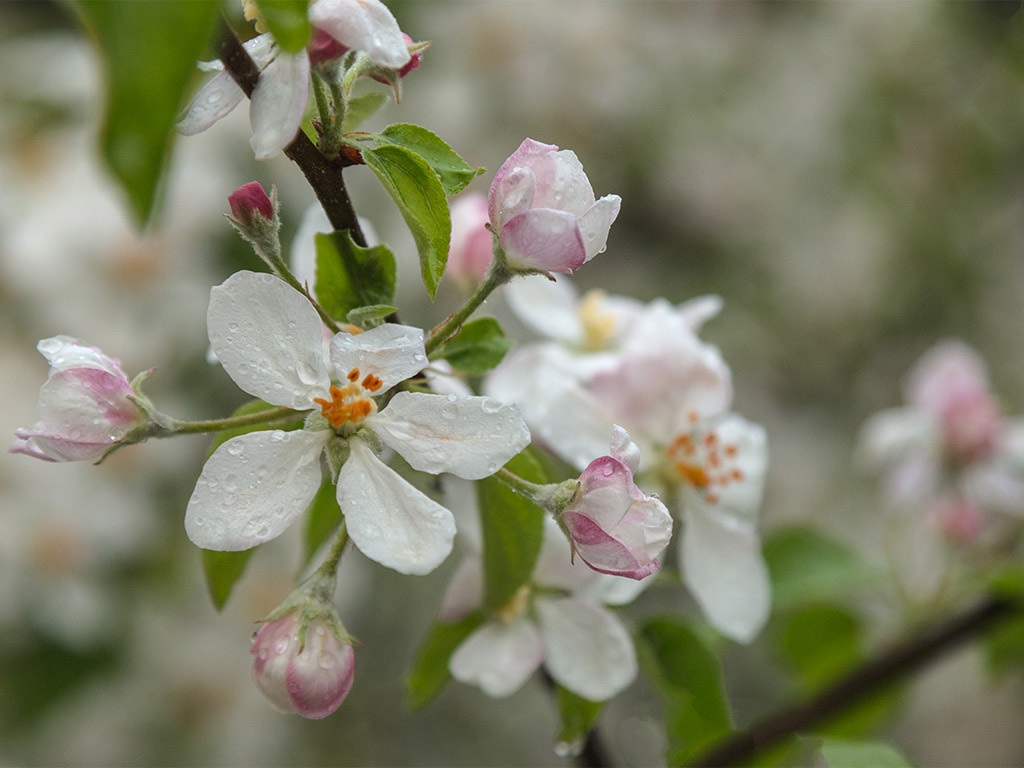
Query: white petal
x: 996, y: 485
x: 624, y: 449
x: 742, y: 499
x: 724, y: 569
x: 471, y: 437
x: 278, y: 103
x: 890, y: 435
x: 366, y: 25
x: 596, y: 222
x: 697, y: 311
x: 269, y: 339
x: 586, y: 648
x: 392, y: 353
x: 63, y: 352
x: 498, y: 657
x: 389, y: 520
x: 465, y: 590
x: 539, y: 378
x: 551, y: 308
x: 613, y: 590
x: 211, y: 103
x: 253, y: 487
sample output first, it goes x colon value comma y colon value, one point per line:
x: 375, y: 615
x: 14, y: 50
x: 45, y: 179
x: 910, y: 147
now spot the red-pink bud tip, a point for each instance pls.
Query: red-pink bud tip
x: 250, y: 200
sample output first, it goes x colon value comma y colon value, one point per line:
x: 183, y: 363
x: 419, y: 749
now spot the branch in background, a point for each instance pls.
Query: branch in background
x: 323, y: 175
x: 856, y: 685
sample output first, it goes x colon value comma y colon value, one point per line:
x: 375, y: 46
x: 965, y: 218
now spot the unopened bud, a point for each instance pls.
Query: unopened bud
x: 248, y: 201
x: 304, y: 665
x: 322, y: 47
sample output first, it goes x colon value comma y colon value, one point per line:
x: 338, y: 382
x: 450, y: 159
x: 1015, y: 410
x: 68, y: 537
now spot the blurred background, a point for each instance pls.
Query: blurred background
x: 849, y: 177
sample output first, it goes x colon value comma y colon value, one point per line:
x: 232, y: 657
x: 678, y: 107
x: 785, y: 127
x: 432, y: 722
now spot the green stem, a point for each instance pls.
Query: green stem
x: 328, y: 148
x: 323, y: 582
x: 532, y: 491
x: 286, y: 274
x: 174, y: 427
x: 497, y: 274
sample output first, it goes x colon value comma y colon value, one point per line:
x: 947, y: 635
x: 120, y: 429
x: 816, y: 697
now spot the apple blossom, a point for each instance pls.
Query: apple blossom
x: 86, y: 406
x: 950, y: 447
x: 614, y: 526
x: 543, y: 211
x: 278, y: 101
x: 304, y: 665
x: 672, y: 392
x: 270, y: 340
x: 559, y: 619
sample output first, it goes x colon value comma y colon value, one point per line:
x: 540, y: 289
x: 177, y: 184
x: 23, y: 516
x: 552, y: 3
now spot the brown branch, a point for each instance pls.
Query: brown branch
x: 323, y: 175
x: 869, y: 678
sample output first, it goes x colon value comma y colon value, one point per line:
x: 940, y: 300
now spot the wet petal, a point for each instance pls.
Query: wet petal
x: 471, y: 437
x: 543, y: 238
x: 269, y: 339
x: 392, y: 353
x: 498, y: 657
x: 253, y: 487
x: 278, y: 103
x: 725, y: 570
x: 586, y: 648
x: 212, y: 102
x: 550, y: 308
x: 366, y: 25
x: 596, y: 222
x: 389, y: 520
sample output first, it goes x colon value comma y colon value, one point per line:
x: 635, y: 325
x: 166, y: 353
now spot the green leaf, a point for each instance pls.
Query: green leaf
x: 418, y: 193
x: 287, y: 20
x: 477, y: 348
x: 1004, y: 645
x: 323, y: 518
x: 819, y: 642
x: 840, y: 753
x: 361, y: 108
x: 222, y: 570
x: 805, y: 566
x: 513, y: 529
x: 450, y: 168
x: 253, y: 406
x: 149, y: 53
x: 368, y: 317
x: 1008, y: 583
x: 577, y: 715
x: 429, y: 673
x: 349, y: 276
x: 687, y: 676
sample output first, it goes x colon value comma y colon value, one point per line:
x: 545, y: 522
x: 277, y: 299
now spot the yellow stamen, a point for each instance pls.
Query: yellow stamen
x: 598, y: 323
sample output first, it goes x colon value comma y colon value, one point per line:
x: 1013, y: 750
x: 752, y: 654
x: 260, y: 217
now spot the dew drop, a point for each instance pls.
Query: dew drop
x: 452, y: 397
x: 199, y: 522
x: 234, y: 448
x: 233, y: 327
x: 490, y: 405
x: 281, y: 644
x: 569, y: 748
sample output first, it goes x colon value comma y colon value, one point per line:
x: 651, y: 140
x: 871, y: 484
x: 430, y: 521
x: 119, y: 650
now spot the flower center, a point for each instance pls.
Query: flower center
x: 702, y: 460
x: 598, y: 323
x: 351, y: 403
x: 515, y: 605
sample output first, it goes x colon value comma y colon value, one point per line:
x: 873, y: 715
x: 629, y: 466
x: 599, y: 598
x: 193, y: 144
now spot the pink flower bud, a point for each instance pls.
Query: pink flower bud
x: 84, y: 407
x: 542, y: 206
x: 615, y: 527
x: 310, y: 675
x: 249, y: 201
x: 322, y: 47
x: 959, y: 518
x: 391, y: 75
x: 470, y: 253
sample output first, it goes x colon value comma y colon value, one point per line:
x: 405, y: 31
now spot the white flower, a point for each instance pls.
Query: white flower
x: 279, y: 98
x: 270, y: 341
x: 950, y: 448
x: 85, y: 406
x: 672, y: 392
x: 559, y: 620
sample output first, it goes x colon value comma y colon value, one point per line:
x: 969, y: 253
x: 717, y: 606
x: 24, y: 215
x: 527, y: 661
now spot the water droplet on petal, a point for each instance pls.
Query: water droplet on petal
x: 569, y: 748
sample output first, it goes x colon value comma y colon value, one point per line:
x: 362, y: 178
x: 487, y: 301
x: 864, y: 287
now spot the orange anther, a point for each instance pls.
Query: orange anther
x: 372, y: 383
x: 692, y: 417
x: 711, y: 498
x: 353, y: 374
x: 694, y: 474
x: 737, y: 474
x: 730, y: 450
